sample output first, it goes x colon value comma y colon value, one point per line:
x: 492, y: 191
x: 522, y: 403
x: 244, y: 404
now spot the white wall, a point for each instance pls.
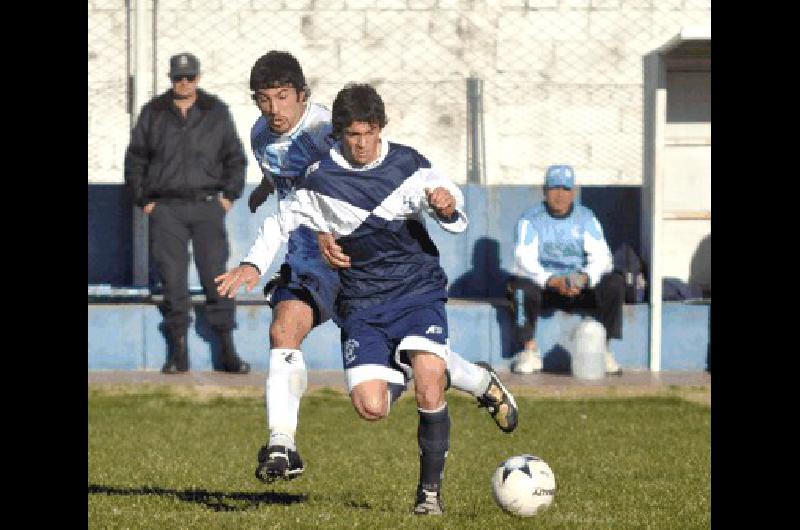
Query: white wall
x: 562, y: 78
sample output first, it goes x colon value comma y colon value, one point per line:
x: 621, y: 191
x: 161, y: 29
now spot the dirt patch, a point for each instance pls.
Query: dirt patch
x: 203, y: 392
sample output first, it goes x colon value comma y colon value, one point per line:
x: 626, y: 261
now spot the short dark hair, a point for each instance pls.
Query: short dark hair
x: 276, y: 69
x: 356, y: 102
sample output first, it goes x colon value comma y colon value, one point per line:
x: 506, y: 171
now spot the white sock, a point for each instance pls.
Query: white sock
x: 467, y: 376
x: 286, y: 383
x: 280, y: 438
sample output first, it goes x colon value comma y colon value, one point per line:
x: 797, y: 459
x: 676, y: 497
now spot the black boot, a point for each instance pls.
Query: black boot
x: 177, y: 354
x: 230, y: 359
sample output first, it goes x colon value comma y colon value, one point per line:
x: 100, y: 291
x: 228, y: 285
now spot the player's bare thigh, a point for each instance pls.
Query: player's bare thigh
x: 370, y: 399
x: 429, y: 379
x: 292, y: 320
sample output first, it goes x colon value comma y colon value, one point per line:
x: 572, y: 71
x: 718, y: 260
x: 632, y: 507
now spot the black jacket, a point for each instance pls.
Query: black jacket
x: 172, y: 157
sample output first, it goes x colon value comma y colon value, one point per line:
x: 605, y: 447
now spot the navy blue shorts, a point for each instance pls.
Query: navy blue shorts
x: 373, y: 347
x: 305, y: 276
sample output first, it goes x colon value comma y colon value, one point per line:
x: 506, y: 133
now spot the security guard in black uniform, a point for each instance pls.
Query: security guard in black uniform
x: 185, y: 166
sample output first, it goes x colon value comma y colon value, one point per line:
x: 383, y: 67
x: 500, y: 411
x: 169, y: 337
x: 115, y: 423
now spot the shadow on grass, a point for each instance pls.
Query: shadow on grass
x: 216, y: 500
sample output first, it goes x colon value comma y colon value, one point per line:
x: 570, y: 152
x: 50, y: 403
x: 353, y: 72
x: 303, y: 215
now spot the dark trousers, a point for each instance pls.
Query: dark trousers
x: 528, y: 300
x: 173, y: 223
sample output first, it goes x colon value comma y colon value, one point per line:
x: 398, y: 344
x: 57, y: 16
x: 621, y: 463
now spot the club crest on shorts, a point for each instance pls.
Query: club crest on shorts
x: 350, y: 346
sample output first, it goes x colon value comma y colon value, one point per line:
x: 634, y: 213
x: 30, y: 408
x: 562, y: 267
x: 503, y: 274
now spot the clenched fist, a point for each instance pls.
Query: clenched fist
x: 442, y: 201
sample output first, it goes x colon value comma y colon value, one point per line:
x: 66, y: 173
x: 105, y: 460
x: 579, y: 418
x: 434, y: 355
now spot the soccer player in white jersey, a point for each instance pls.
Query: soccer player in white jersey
x: 370, y: 194
x: 290, y: 135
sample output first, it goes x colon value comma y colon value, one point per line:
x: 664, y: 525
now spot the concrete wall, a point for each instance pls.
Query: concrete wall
x: 563, y: 78
x: 477, y: 261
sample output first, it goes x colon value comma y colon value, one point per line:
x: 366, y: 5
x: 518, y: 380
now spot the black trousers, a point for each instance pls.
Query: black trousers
x: 528, y: 300
x: 173, y: 223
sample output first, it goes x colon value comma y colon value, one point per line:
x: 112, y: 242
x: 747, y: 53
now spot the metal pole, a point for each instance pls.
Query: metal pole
x: 155, y: 48
x: 657, y: 97
x: 476, y: 159
x: 138, y: 97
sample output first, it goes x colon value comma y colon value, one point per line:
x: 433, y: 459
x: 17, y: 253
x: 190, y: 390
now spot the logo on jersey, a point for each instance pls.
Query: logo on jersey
x: 434, y: 330
x: 290, y: 357
x: 350, y: 346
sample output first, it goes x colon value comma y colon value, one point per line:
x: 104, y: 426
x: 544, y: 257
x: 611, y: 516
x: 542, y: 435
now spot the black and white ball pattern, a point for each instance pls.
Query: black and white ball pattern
x: 524, y: 484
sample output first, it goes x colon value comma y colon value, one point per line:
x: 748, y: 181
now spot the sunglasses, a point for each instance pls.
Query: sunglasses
x: 189, y: 78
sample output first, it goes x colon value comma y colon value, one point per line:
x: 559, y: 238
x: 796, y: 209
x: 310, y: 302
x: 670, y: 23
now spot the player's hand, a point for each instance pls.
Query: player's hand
x: 576, y: 282
x: 559, y: 283
x: 332, y: 252
x: 260, y: 194
x: 229, y: 282
x: 442, y: 201
x: 149, y: 207
x: 225, y: 203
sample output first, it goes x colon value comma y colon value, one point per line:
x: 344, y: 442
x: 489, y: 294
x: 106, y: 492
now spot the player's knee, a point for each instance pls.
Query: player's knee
x: 371, y: 407
x: 430, y: 396
x: 429, y: 387
x: 284, y: 334
x: 370, y: 412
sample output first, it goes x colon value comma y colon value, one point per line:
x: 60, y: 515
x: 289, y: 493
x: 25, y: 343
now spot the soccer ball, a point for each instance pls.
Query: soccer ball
x: 523, y: 485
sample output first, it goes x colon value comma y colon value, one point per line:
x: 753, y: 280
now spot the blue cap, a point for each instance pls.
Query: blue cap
x: 560, y: 176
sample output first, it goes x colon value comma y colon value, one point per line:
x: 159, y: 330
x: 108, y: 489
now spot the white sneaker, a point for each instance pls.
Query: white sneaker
x: 527, y: 362
x: 612, y: 368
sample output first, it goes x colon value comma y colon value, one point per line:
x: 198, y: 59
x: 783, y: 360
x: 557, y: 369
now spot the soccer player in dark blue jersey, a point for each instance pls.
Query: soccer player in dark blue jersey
x: 371, y: 194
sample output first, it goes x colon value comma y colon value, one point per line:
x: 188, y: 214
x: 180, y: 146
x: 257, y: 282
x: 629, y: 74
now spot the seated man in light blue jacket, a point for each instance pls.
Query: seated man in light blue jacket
x: 562, y: 260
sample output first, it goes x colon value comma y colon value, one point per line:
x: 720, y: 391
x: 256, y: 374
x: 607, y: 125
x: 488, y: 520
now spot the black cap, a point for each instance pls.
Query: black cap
x: 183, y: 64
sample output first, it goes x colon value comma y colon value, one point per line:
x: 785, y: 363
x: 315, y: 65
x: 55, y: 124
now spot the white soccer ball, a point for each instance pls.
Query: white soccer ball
x: 523, y: 485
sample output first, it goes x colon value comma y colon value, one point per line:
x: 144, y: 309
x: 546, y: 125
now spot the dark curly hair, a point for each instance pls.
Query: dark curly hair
x: 276, y: 69
x: 356, y: 102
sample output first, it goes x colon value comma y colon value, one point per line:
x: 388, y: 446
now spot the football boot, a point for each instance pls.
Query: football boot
x: 278, y: 461
x: 498, y: 401
x: 428, y: 502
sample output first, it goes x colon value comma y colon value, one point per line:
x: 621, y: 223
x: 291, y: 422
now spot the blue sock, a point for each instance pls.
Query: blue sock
x: 433, y: 436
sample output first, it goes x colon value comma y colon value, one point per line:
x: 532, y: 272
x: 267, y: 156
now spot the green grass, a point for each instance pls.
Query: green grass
x: 159, y: 460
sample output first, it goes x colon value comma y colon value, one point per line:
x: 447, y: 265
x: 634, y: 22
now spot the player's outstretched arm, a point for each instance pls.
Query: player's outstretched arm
x: 228, y: 283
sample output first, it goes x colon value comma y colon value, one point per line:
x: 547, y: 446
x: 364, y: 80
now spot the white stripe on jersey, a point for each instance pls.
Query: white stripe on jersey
x: 327, y: 214
x: 406, y: 202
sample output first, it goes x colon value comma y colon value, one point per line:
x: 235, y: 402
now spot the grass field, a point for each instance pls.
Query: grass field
x: 160, y: 459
